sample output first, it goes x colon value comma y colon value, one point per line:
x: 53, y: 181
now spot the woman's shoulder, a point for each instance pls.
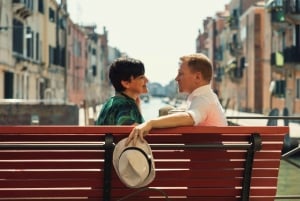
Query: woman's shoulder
x: 117, y: 102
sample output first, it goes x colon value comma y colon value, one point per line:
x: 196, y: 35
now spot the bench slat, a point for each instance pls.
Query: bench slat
x: 63, y: 192
x: 221, y: 192
x: 42, y: 154
x: 57, y: 174
x: 52, y: 183
x: 52, y: 137
x: 82, y: 164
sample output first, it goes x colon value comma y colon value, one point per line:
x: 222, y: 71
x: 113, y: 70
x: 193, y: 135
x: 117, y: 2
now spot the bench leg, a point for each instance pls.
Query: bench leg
x: 255, y: 140
x: 109, y: 147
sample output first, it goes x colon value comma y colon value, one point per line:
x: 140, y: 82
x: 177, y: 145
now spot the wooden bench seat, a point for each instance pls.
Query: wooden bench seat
x: 192, y: 163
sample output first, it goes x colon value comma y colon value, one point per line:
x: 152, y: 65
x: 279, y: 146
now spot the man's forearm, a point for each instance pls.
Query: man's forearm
x: 172, y: 120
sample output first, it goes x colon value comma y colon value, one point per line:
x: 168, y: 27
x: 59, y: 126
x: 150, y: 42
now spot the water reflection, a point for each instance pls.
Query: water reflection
x: 150, y: 109
x: 289, y: 179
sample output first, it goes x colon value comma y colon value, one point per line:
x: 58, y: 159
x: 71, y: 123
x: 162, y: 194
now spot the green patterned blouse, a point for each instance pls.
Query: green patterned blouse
x: 119, y: 110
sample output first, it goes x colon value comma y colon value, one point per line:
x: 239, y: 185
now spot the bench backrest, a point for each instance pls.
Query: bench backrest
x: 192, y: 163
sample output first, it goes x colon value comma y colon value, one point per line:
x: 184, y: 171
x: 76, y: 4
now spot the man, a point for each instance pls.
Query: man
x: 203, y: 106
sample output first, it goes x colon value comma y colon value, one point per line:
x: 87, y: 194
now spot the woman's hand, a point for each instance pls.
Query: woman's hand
x: 138, y: 132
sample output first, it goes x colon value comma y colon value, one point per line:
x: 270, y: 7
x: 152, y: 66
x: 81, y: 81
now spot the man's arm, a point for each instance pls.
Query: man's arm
x: 172, y: 120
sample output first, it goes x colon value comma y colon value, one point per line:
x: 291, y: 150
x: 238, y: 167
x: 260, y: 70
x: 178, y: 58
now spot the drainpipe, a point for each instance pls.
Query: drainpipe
x: 63, y: 6
x: 66, y: 64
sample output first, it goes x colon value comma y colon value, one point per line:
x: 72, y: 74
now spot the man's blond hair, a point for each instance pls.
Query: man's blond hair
x: 199, y: 62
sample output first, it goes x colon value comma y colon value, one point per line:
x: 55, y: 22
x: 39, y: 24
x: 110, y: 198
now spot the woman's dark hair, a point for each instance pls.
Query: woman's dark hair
x: 123, y: 69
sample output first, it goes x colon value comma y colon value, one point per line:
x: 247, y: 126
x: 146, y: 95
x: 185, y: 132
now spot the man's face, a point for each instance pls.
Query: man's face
x: 185, y: 78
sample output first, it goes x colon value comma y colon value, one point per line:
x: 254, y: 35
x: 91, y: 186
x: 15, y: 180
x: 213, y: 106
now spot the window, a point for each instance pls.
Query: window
x: 280, y: 87
x: 51, y: 15
x: 29, y: 42
x: 37, y: 46
x: 76, y: 47
x: 298, y: 88
x: 41, y: 88
x: 18, y: 36
x: 29, y: 4
x: 41, y: 6
x: 56, y: 55
x: 51, y: 55
x: 8, y: 85
x: 94, y: 68
x: 62, y: 56
x: 62, y: 23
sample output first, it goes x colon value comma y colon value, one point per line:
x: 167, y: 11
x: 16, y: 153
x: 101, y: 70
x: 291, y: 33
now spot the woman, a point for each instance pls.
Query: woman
x: 128, y: 79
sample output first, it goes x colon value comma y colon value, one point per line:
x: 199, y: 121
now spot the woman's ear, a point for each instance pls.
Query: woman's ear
x: 125, y: 84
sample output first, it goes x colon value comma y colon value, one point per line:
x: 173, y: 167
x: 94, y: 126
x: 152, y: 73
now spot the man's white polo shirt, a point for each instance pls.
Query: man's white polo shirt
x: 204, y: 107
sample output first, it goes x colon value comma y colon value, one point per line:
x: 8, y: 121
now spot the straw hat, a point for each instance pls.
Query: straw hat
x: 134, y: 164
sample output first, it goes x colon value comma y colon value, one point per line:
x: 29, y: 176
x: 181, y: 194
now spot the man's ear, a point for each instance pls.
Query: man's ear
x: 198, y: 75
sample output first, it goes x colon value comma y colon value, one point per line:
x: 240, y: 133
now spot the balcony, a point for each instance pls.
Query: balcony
x: 233, y: 20
x: 292, y: 11
x: 291, y: 54
x: 277, y: 14
x: 234, y: 72
x: 233, y: 23
x: 278, y: 19
x: 235, y: 47
x: 23, y: 8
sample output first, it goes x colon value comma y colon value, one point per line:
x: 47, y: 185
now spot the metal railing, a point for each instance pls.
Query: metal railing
x: 295, y: 149
x: 264, y: 117
x: 285, y: 156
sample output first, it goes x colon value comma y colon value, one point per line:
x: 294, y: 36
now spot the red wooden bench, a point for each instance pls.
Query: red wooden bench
x: 192, y: 163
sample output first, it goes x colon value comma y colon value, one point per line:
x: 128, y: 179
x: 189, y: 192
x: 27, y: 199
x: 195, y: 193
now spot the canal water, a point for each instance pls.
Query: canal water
x: 289, y: 174
x: 151, y: 109
x: 289, y: 178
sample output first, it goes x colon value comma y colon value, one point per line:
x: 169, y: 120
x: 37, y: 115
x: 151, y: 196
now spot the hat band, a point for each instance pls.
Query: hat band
x: 142, y: 151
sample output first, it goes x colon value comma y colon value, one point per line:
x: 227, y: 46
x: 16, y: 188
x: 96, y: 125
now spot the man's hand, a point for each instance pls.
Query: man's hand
x: 138, y: 133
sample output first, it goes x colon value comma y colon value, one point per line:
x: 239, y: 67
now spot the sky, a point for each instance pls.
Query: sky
x: 157, y: 32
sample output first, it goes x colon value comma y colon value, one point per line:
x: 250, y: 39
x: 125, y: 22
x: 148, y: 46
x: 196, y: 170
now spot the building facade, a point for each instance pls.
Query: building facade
x: 255, y: 55
x: 45, y: 56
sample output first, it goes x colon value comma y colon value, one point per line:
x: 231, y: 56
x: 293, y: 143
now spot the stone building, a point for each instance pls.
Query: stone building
x: 255, y: 55
x: 46, y: 57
